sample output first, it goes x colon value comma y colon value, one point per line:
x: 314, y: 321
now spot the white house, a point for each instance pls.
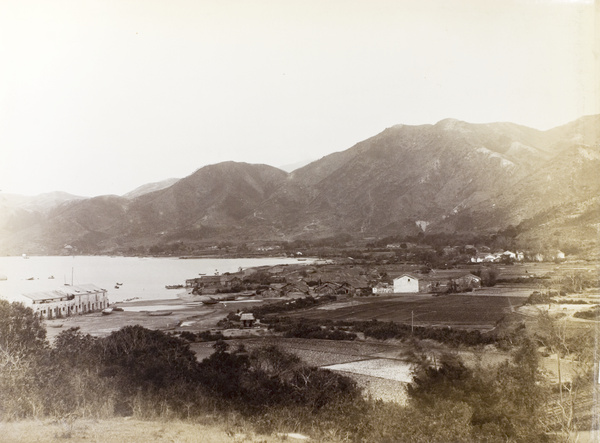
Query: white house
x: 66, y: 301
x: 485, y: 257
x: 509, y: 255
x: 383, y: 288
x: 406, y: 283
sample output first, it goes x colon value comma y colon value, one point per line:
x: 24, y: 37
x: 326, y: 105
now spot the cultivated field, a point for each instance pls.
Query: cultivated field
x: 458, y: 311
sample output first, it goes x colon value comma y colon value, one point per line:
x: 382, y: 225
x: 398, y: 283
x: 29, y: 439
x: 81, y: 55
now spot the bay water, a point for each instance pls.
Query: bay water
x: 125, y: 278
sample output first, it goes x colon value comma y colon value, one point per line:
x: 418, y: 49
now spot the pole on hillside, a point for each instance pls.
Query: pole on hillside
x: 412, y: 322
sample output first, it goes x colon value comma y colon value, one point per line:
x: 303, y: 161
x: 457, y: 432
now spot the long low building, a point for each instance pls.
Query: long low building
x: 66, y: 301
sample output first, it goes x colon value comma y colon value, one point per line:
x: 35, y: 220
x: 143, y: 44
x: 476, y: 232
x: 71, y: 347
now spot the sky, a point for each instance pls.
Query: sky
x: 100, y: 97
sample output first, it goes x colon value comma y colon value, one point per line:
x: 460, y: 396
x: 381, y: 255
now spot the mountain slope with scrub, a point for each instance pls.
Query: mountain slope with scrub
x: 452, y: 176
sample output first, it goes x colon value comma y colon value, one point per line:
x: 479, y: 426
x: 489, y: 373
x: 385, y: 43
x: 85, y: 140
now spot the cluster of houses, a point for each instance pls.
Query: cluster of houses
x: 278, y: 287
x: 483, y: 254
x: 293, y: 284
x: 499, y: 257
x: 67, y: 301
x: 509, y: 256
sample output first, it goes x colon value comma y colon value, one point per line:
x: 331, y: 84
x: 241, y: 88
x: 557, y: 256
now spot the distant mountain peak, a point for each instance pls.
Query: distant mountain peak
x: 150, y: 187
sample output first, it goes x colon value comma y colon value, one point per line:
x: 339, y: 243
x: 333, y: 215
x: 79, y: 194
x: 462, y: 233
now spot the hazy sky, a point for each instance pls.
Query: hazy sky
x: 99, y: 97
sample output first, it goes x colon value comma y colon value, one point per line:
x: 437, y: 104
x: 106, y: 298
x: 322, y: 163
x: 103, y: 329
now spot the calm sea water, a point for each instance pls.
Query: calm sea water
x: 144, y: 278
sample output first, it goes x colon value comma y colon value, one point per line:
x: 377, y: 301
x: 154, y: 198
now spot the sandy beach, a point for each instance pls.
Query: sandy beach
x: 164, y: 315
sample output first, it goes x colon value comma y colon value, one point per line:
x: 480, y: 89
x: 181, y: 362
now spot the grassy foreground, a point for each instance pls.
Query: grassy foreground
x: 120, y: 430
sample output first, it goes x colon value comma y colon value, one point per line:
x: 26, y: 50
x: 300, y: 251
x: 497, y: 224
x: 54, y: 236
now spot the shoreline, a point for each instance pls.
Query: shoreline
x: 162, y: 314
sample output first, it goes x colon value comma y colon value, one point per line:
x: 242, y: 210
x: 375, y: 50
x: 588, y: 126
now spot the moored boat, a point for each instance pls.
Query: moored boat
x: 210, y: 301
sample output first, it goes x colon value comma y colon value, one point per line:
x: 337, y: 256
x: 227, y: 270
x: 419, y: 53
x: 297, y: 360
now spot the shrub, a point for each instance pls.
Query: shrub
x: 592, y: 314
x: 538, y: 298
x: 210, y: 336
x: 21, y: 331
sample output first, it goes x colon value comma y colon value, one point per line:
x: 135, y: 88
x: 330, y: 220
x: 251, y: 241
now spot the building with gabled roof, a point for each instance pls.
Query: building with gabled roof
x: 406, y: 283
x: 247, y: 319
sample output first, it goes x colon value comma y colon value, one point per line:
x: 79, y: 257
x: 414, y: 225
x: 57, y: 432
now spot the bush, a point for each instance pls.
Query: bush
x: 301, y: 330
x: 538, y: 298
x: 505, y: 402
x: 269, y: 377
x: 592, y: 314
x: 454, y: 337
x: 21, y: 331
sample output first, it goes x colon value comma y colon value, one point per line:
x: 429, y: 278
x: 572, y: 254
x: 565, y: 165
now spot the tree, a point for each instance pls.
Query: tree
x: 579, y: 346
x: 22, y: 339
x: 147, y: 358
x: 21, y: 331
x: 506, y: 400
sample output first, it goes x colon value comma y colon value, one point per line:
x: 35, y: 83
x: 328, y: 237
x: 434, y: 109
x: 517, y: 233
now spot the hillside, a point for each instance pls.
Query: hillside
x: 452, y: 176
x: 150, y: 187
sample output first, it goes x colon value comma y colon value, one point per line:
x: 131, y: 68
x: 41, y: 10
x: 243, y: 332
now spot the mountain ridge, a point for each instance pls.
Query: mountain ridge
x: 451, y: 176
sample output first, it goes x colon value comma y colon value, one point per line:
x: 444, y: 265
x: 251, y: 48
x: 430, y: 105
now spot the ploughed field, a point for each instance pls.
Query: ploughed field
x: 458, y: 311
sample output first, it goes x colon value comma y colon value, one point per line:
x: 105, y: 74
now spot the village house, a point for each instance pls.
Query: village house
x: 209, y: 284
x: 337, y: 288
x: 485, y: 257
x: 247, y: 319
x: 383, y: 288
x: 274, y: 290
x: 295, y: 289
x: 67, y: 301
x: 444, y: 282
x: 327, y: 288
x: 406, y: 283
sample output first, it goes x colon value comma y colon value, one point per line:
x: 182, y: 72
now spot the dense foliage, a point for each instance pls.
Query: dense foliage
x: 147, y: 373
x: 150, y: 374
x: 20, y: 330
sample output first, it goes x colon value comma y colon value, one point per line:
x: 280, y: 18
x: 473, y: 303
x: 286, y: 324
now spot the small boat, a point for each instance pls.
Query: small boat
x: 51, y: 277
x: 107, y: 311
x: 159, y: 313
x: 174, y: 286
x: 210, y: 301
x: 117, y: 286
x: 30, y: 278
